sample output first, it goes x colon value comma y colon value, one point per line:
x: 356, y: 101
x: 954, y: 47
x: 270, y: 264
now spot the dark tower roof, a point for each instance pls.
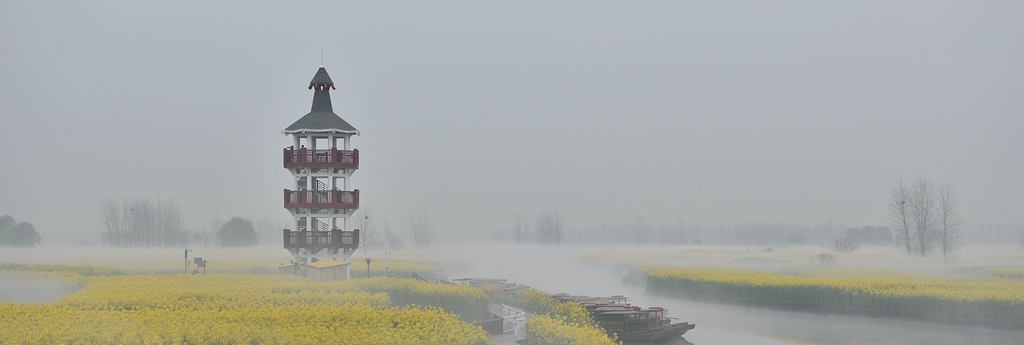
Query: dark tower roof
x: 321, y: 117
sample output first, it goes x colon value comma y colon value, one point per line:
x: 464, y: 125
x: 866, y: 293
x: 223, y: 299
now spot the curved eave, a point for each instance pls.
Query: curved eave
x: 327, y: 130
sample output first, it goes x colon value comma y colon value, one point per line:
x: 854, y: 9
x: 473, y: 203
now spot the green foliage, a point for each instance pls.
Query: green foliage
x: 19, y: 234
x: 237, y: 232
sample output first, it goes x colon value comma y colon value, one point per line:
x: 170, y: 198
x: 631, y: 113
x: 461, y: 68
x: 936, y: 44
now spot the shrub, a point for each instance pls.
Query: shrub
x: 823, y: 259
x: 237, y: 232
x: 19, y: 234
x: 845, y: 244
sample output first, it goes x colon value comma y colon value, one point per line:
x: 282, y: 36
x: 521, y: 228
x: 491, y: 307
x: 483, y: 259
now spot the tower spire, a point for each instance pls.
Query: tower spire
x: 321, y: 117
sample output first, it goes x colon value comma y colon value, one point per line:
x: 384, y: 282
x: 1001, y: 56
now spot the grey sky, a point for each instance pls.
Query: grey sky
x: 717, y: 113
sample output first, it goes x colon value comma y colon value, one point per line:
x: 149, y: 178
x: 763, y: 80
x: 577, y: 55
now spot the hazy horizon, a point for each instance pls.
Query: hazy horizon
x: 474, y: 113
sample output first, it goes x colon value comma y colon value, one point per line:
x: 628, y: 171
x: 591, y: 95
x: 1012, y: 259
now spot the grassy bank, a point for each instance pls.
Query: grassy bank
x: 977, y: 300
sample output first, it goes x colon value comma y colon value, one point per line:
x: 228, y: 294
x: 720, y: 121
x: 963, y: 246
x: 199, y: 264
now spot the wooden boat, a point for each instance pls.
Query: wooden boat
x: 635, y: 325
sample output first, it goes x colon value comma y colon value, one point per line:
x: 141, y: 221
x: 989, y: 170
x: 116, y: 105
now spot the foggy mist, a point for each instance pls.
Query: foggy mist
x: 475, y: 113
x: 558, y: 145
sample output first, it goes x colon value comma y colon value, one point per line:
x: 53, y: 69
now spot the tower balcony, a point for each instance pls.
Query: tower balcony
x: 332, y: 158
x: 334, y: 198
x: 334, y: 239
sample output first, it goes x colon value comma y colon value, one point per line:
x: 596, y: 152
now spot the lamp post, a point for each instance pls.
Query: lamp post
x: 186, y: 260
x: 367, y: 267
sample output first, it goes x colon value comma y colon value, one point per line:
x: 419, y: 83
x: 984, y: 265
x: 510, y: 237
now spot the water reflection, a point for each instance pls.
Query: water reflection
x: 679, y: 341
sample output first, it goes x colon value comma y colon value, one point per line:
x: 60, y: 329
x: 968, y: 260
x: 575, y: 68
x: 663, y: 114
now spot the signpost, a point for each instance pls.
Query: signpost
x: 201, y: 263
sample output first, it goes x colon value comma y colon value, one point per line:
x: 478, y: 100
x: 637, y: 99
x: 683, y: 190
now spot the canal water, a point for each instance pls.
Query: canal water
x: 27, y: 288
x: 557, y: 269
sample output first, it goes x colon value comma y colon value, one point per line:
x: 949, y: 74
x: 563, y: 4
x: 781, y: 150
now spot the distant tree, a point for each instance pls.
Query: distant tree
x: 923, y: 212
x: 18, y: 234
x: 683, y: 232
x: 925, y: 218
x: 143, y: 223
x: 549, y: 228
x: 520, y: 231
x: 392, y: 241
x: 878, y: 235
x: 845, y: 244
x: 950, y: 236
x: 422, y: 230
x: 237, y: 232
x: 794, y: 240
x: 268, y: 231
x: 640, y: 231
x: 898, y: 215
x: 369, y: 235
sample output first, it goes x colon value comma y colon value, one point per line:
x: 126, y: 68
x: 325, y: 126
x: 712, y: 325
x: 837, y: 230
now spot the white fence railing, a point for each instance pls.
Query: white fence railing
x: 513, y: 320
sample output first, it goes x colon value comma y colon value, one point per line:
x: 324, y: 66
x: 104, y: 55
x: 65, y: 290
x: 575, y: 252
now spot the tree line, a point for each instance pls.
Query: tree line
x: 143, y: 223
x: 17, y: 234
x: 134, y: 222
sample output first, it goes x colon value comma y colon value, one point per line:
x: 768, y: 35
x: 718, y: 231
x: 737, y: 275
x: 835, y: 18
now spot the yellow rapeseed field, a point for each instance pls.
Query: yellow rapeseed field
x: 1008, y: 273
x: 467, y: 301
x: 971, y: 299
x: 227, y: 309
x: 567, y: 323
x: 396, y: 268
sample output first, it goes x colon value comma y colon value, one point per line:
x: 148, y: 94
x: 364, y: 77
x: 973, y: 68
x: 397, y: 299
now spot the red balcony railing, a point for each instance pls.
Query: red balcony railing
x: 333, y: 158
x: 321, y: 239
x: 334, y: 198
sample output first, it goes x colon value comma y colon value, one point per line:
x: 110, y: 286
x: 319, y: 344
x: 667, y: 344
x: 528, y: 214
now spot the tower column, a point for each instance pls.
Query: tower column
x: 308, y: 204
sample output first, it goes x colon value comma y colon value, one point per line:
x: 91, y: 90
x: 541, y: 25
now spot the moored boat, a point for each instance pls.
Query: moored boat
x: 634, y: 325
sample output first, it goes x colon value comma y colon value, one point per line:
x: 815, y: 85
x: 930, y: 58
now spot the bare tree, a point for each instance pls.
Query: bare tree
x: 640, y: 231
x: 683, y: 235
x: 369, y: 235
x: 950, y: 220
x: 210, y: 233
x: 170, y: 226
x: 922, y: 211
x: 845, y: 244
x: 897, y: 210
x: 141, y: 223
x: 422, y: 230
x: 114, y: 235
x: 520, y: 231
x: 549, y: 228
x: 391, y: 239
x: 268, y: 231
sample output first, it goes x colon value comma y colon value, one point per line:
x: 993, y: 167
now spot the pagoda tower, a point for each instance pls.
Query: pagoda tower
x: 321, y: 161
